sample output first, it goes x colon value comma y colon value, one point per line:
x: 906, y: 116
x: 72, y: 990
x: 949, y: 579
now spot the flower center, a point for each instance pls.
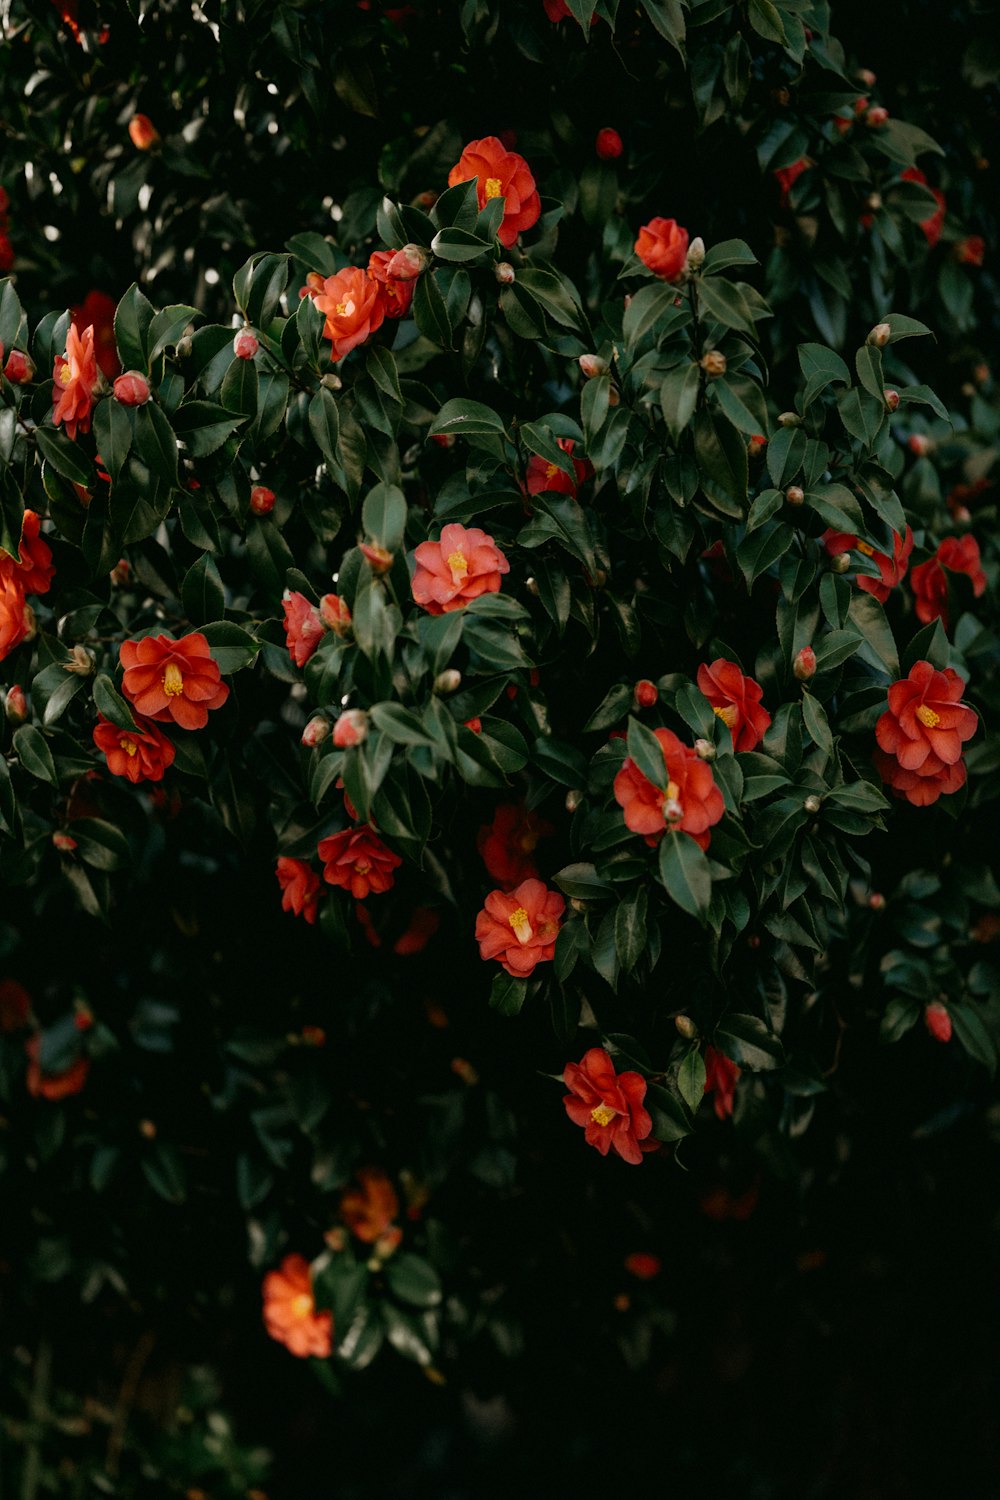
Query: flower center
x: 551, y: 470
x: 494, y: 187
x: 302, y: 1306
x: 673, y: 811
x: 459, y: 565
x: 928, y: 717
x: 129, y: 746
x: 65, y: 375
x: 728, y: 715
x: 529, y: 842
x: 522, y: 927
x: 603, y: 1114
x: 361, y: 867
x: 346, y: 308
x: 866, y: 549
x: 173, y: 680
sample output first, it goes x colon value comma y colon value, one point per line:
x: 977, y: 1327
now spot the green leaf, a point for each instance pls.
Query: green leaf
x: 649, y: 306
x: 155, y: 443
x: 133, y: 317
x: 743, y: 403
x: 835, y: 505
x: 685, y: 873
x: 112, y: 435
x: 727, y: 253
x: 166, y: 327
x: 867, y: 614
x: 466, y: 419
x: 766, y: 21
x: 862, y: 416
x: 725, y: 303
x: 430, y: 312
x: 109, y: 702
x: 202, y: 593
x: 630, y: 928
x: 691, y: 1078
x: 203, y: 426
x: 904, y: 328
x: 507, y: 993
x: 868, y: 363
x: 64, y: 456
x: 232, y: 647
x: 413, y: 1279
x: 647, y: 753
x: 458, y: 245
x: 749, y: 1042
x: 383, y: 516
x: 821, y: 367
x: 100, y: 844
x: 238, y: 391
x: 34, y: 754
x: 581, y: 881
x: 679, y: 397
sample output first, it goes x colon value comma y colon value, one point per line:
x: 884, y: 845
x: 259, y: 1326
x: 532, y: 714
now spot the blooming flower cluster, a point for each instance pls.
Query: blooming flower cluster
x: 921, y: 734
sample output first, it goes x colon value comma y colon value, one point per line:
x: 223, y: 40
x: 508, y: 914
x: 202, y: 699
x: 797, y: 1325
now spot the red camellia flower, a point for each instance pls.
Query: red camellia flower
x: 262, y: 500
x: 460, y: 566
x: 500, y: 173
x: 15, y: 617
x: 608, y: 1105
x: 357, y: 860
x: 608, y: 144
x: 736, y: 700
x: 932, y: 226
x: 15, y: 1005
x: 507, y: 845
x: 520, y: 927
x: 140, y: 754
x: 173, y: 680
x: 370, y: 1206
x: 721, y: 1074
x: 643, y: 1265
x: 541, y: 476
x: 787, y: 177
x: 304, y: 628
x: 397, y: 293
x: 971, y: 251
x: 74, y: 380
x: 300, y: 887
x: 19, y: 369
x: 335, y: 614
x: 97, y: 310
x: 132, y: 388
x: 662, y: 246
x: 938, y: 1021
x: 892, y: 570
x: 688, y: 800
x: 53, y: 1085
x: 959, y: 554
x: 290, y: 1314
x: 920, y: 736
x: 354, y: 308
x: 35, y: 556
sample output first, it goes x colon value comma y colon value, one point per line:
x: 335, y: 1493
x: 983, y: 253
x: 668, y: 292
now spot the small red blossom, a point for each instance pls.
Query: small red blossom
x: 475, y: 725
x: 245, y: 344
x: 357, y: 860
x: 736, y: 700
x: 53, y: 1086
x: 721, y: 1075
x: 787, y: 177
x: 262, y: 500
x: 350, y: 729
x: 354, y: 308
x: 541, y: 476
x: 172, y: 680
x: 142, y: 132
x: 688, y: 801
x: 304, y: 628
x: 933, y: 225
x: 921, y: 734
x: 140, y: 754
x: 937, y: 1019
x: 608, y: 1105
x: 956, y: 554
x: 500, y: 173
x: 370, y: 1206
x: 645, y: 694
x: 643, y: 1265
x: 300, y: 888
x: 397, y: 294
x: 892, y: 570
x: 290, y: 1314
x: 335, y: 614
x: 132, y: 389
x: 379, y: 558
x: 662, y: 247
x: 74, y: 381
x: 507, y: 845
x: 519, y: 928
x: 608, y: 144
x: 970, y: 251
x: 19, y: 369
x: 463, y: 564
x: 34, y: 556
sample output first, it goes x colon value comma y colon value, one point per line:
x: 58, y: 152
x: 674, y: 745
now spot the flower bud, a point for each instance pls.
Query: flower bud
x: 938, y: 1021
x: 143, y: 133
x: 614, y: 395
x: 443, y: 439
x: 812, y: 803
x: 335, y: 1239
x: 184, y: 347
x: 713, y: 363
x: 407, y: 264
x: 645, y: 693
x: 380, y: 558
x: 593, y: 365
x: 505, y: 273
x: 16, y: 704
x: 876, y: 117
x: 245, y: 344
x: 531, y: 584
x: 334, y: 613
x: 686, y: 1027
x: 315, y: 732
x: 30, y: 623
x: 19, y: 369
x: 866, y: 77
x: 705, y: 750
x: 475, y: 726
x: 876, y: 901
x: 331, y: 382
x: 573, y: 799
x: 981, y: 372
x: 879, y: 335
x: 696, y: 253
x: 892, y: 400
x: 920, y: 444
x: 448, y: 681
x: 789, y: 419
x: 147, y: 1130
x: 313, y: 1036
x: 841, y: 563
x: 388, y: 1242
x: 608, y: 144
x: 578, y: 904
x: 795, y: 494
x: 756, y: 445
x: 65, y: 843
x: 262, y: 500
x: 804, y: 665
x: 132, y: 389
x: 120, y: 573
x: 83, y: 1016
x: 81, y: 662
x: 464, y: 1070
x: 350, y: 729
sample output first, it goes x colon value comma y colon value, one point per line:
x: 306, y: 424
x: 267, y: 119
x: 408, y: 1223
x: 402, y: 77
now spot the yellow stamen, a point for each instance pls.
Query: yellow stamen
x: 603, y: 1114
x: 928, y: 717
x: 173, y: 680
x: 129, y: 746
x: 522, y: 927
x: 361, y: 867
x: 551, y: 470
x: 302, y: 1306
x: 728, y: 715
x: 65, y: 375
x: 866, y: 549
x: 346, y: 308
x: 529, y: 842
x: 494, y: 187
x: 459, y: 565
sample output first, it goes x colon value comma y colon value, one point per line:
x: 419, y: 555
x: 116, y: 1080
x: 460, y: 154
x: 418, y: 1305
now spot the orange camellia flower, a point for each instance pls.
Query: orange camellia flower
x: 15, y: 616
x: 397, y: 292
x: 354, y: 307
x: 463, y: 564
x: 892, y: 570
x: 15, y: 1005
x: 500, y: 173
x: 369, y: 1208
x: 97, y: 310
x: 299, y: 887
x: 290, y: 1314
x: 520, y: 927
x: 140, y: 754
x: 53, y: 1085
x: 933, y: 225
x: 304, y: 627
x: 662, y: 246
x: 959, y: 554
x: 736, y: 700
x: 541, y: 476
x: 142, y: 132
x: 688, y: 801
x: 507, y: 845
x: 35, y: 556
x: 608, y: 1105
x: 358, y: 860
x: 74, y: 380
x: 172, y: 680
x: 920, y: 736
x: 721, y: 1075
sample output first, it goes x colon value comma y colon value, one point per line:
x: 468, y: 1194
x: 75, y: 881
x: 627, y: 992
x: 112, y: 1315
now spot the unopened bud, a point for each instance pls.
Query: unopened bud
x: 331, y: 382
x: 593, y: 365
x: 443, y: 439
x: 147, y: 1130
x: 789, y: 419
x: 30, y: 624
x: 573, y: 799
x: 876, y: 901
x: 407, y: 264
x: 464, y: 1070
x: 80, y: 661
x: 873, y: 202
x: 892, y: 400
x: 578, y: 904
x: 981, y: 372
x: 16, y: 704
x: 132, y: 389
x: 938, y: 1021
x: 879, y: 335
x: 380, y: 558
x: 696, y: 253
x: 335, y: 614
x: 262, y: 500
x: 756, y: 445
x: 19, y: 369
x: 876, y: 117
x: 245, y: 344
x: 120, y: 573
x: 645, y: 693
x: 795, y: 494
x: 448, y: 681
x: 142, y: 132
x: 866, y: 77
x: 313, y: 1036
x: 812, y: 803
x: 505, y: 273
x: 804, y: 665
x: 475, y: 726
x: 686, y: 1027
x: 65, y: 843
x: 531, y: 584
x: 350, y: 729
x: 315, y: 732
x: 83, y: 1016
x: 713, y: 363
x: 614, y: 395
x: 841, y: 563
x: 336, y: 1239
x: 608, y: 144
x: 705, y: 750
x: 184, y: 347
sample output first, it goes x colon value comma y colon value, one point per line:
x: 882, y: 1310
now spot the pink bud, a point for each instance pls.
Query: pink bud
x: 876, y: 901
x: 867, y: 77
x: 315, y: 732
x: 407, y: 264
x: 350, y: 729
x: 876, y: 117
x: 645, y: 693
x: 262, y: 500
x: 608, y: 144
x: 879, y: 335
x: 380, y: 558
x: 892, y: 400
x: 505, y: 273
x: 16, y: 705
x: 132, y: 389
x: 245, y: 344
x: 335, y: 614
x: 804, y: 665
x: 795, y: 494
x: 920, y: 444
x: 19, y: 369
x: 593, y: 365
x: 938, y: 1021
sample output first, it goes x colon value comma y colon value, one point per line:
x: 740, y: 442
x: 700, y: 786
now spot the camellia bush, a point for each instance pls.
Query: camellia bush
x: 498, y: 641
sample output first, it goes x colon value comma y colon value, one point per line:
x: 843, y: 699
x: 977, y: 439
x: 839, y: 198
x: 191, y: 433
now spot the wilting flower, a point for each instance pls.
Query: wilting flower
x: 921, y: 734
x: 74, y: 381
x: 357, y: 859
x: 957, y: 554
x: 892, y: 570
x: 520, y: 927
x: 736, y: 700
x: 290, y: 1314
x: 397, y: 293
x: 933, y: 225
x: 463, y: 564
x: 300, y: 887
x: 688, y: 800
x: 507, y: 845
x: 662, y: 246
x: 140, y: 754
x: 370, y: 1206
x: 541, y: 475
x: 304, y: 628
x: 53, y: 1085
x: 608, y: 1105
x: 721, y: 1075
x: 172, y: 680
x: 35, y: 556
x: 354, y: 308
x: 500, y: 173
